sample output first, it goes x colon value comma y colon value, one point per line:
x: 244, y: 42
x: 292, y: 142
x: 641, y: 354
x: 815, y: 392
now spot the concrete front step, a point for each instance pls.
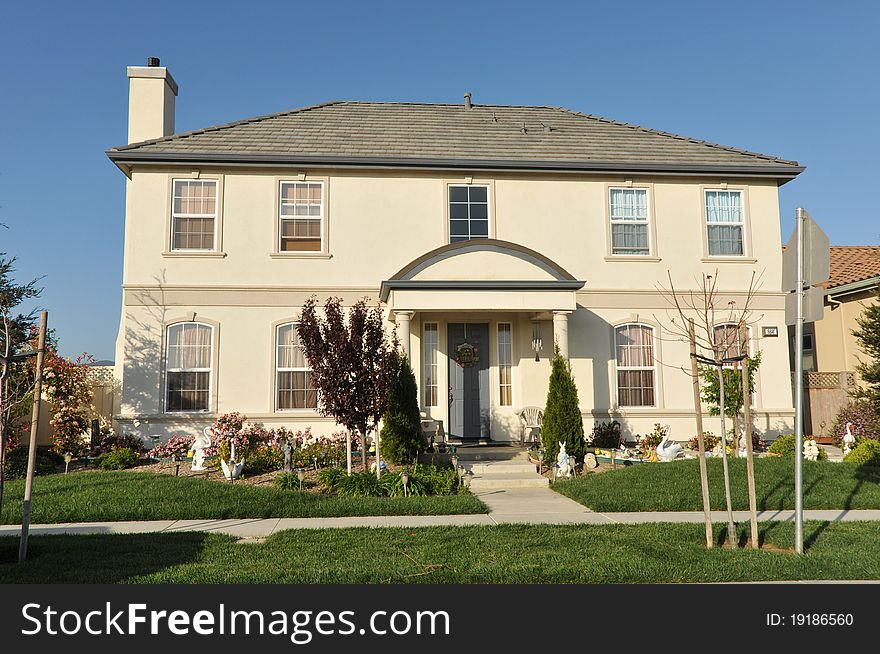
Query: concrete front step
x: 492, y: 454
x: 501, y: 481
x: 514, y: 466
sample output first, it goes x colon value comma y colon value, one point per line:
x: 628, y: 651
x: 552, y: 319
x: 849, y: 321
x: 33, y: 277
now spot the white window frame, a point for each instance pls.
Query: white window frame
x: 279, y: 370
x: 279, y: 218
x: 619, y: 368
x: 432, y: 362
x: 449, y: 203
x: 209, y: 370
x: 741, y: 224
x: 502, y: 386
x: 215, y: 216
x: 646, y: 222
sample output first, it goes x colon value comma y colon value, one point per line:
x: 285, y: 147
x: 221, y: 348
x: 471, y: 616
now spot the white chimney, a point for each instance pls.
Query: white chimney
x: 151, y: 95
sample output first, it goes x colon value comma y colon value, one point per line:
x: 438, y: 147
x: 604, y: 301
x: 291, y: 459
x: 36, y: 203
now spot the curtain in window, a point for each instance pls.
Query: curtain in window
x: 189, y: 346
x: 635, y: 365
x: 629, y: 221
x: 290, y: 352
x: 724, y: 218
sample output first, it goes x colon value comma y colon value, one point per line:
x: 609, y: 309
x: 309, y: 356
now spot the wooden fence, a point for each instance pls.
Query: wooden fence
x: 825, y: 393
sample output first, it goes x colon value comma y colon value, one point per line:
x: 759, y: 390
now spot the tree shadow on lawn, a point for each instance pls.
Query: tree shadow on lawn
x: 763, y: 503
x: 97, y: 558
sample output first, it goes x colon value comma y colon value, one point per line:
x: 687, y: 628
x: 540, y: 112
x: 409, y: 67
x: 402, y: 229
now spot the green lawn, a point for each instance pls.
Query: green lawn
x: 675, y: 486
x: 498, y: 554
x: 106, y: 496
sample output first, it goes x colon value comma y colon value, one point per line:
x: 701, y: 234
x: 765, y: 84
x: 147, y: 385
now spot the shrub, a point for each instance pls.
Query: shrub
x: 264, y: 459
x: 111, y: 441
x: 562, y: 416
x: 652, y: 440
x: 392, y: 486
x: 359, y: 484
x: 865, y: 421
x: 710, y: 440
x: 120, y: 459
x: 401, y: 436
x: 323, y: 452
x: 866, y: 453
x: 329, y: 478
x: 606, y: 435
x: 288, y: 481
x: 47, y: 461
x: 784, y: 445
x: 175, y: 446
x: 437, y: 480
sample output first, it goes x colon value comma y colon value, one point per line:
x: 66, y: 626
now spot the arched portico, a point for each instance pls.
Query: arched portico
x: 467, y: 314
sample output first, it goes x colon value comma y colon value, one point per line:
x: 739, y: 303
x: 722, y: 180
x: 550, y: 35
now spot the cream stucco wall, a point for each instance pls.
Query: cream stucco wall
x: 377, y: 222
x: 836, y: 347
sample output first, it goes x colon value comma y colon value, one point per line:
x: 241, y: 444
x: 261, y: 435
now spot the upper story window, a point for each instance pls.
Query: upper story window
x: 301, y: 216
x: 636, y: 378
x: 725, y: 223
x: 468, y: 212
x: 194, y: 214
x: 188, y: 366
x: 629, y: 221
x: 293, y: 379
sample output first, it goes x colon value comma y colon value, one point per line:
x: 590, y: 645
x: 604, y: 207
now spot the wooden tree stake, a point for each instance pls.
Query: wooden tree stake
x: 747, y: 419
x: 698, y: 412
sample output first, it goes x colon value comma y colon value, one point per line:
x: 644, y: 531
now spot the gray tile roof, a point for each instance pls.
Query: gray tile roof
x: 439, y: 135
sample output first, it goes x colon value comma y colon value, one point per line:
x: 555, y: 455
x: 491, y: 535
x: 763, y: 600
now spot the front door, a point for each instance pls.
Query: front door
x: 468, y: 380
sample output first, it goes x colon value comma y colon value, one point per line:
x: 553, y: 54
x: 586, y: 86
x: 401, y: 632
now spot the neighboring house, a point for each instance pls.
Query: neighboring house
x: 476, y: 226
x: 831, y: 352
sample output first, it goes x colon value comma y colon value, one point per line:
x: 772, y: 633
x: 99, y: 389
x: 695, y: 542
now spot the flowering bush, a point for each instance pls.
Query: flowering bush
x: 652, y: 440
x: 864, y: 418
x: 176, y: 446
x: 111, y: 441
x: 321, y: 451
x: 710, y: 440
x: 68, y: 388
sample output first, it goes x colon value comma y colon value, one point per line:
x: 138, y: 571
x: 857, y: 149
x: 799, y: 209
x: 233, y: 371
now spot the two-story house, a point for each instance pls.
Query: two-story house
x: 487, y: 232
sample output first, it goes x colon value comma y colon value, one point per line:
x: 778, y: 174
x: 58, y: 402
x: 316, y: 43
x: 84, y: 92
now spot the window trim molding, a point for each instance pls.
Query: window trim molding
x: 490, y: 199
x: 217, y: 250
x: 324, y: 253
x: 659, y: 399
x: 653, y: 249
x: 215, y: 367
x: 273, y: 385
x: 746, y: 256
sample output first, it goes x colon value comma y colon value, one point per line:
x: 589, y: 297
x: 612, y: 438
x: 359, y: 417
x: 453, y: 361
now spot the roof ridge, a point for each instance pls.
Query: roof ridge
x: 728, y: 148
x: 236, y: 123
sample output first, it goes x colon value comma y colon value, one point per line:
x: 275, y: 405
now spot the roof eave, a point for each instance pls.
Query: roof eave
x: 124, y: 159
x: 853, y: 287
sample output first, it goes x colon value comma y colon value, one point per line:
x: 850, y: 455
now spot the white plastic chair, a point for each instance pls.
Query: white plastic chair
x: 530, y: 418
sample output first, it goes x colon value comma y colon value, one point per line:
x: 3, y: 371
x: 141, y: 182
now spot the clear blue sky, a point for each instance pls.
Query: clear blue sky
x: 794, y: 79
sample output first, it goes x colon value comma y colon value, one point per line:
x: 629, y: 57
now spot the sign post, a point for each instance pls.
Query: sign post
x: 806, y: 262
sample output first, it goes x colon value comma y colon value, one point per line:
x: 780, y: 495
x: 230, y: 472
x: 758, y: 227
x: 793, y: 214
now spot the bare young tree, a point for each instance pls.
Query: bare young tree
x: 715, y: 325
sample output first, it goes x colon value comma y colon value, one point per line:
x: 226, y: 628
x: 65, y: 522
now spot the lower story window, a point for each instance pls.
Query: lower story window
x: 188, y: 367
x: 429, y: 356
x: 505, y: 364
x: 635, y: 365
x: 293, y: 383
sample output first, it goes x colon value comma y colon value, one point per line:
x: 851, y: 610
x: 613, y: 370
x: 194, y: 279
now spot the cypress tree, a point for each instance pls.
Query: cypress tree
x: 868, y: 336
x: 401, y: 435
x: 562, y: 416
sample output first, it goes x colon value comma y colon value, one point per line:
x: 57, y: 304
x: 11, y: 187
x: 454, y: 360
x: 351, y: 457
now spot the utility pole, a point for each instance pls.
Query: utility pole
x: 32, y: 450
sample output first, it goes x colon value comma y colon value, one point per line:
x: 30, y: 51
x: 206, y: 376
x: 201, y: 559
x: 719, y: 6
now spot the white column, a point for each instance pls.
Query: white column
x: 402, y: 320
x: 560, y: 332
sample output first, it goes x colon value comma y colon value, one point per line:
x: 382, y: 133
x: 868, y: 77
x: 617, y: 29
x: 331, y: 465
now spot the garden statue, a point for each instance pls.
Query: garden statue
x: 563, y: 462
x: 590, y: 461
x: 199, y: 446
x: 288, y: 455
x: 849, y: 439
x: 811, y: 450
x: 382, y: 466
x: 232, y: 470
x: 668, y: 449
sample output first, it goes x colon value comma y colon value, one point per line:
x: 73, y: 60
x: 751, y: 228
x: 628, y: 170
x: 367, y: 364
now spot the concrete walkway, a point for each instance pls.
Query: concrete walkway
x: 522, y: 506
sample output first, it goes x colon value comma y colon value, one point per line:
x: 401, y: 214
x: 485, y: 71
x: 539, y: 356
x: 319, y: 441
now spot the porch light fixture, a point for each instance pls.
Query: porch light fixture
x: 455, y: 461
x: 68, y: 457
x: 537, y: 341
x: 301, y: 475
x: 404, y: 479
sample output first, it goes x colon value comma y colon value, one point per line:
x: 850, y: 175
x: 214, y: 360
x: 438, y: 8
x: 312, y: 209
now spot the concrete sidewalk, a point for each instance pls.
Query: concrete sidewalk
x: 516, y: 506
